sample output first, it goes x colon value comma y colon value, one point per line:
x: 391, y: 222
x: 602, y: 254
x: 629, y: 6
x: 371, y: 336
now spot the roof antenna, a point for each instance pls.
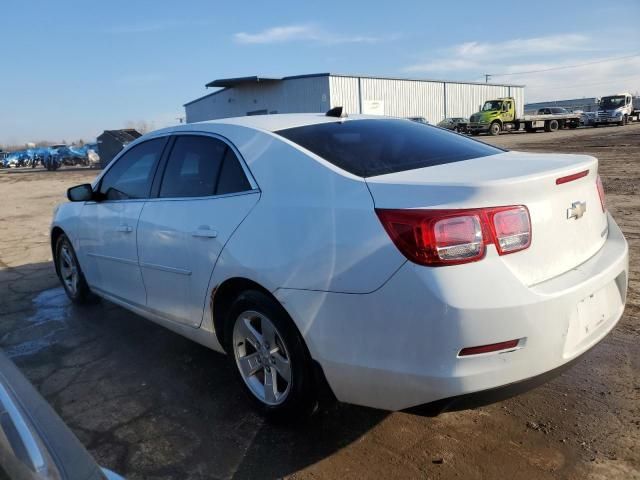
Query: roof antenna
x: 338, y: 112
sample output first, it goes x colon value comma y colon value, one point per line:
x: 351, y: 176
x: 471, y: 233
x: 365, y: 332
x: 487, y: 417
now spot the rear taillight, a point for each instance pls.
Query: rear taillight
x: 603, y: 203
x: 511, y: 228
x: 450, y: 237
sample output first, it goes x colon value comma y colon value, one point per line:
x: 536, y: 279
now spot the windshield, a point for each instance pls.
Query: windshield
x: 492, y: 105
x: 612, y: 102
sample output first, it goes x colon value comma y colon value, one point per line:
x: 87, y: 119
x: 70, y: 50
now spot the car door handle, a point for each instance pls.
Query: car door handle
x: 124, y: 228
x: 204, y: 231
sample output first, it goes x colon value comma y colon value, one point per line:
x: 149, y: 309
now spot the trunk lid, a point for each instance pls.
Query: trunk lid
x: 558, y: 243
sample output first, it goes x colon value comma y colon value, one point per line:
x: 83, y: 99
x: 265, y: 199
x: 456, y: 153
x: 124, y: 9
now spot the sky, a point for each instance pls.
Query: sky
x: 71, y: 69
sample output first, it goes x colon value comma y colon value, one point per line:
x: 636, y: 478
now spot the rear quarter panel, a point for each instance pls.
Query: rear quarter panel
x: 313, y: 228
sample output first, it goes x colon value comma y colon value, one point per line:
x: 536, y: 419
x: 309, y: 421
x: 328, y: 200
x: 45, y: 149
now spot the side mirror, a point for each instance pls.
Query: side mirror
x: 80, y: 193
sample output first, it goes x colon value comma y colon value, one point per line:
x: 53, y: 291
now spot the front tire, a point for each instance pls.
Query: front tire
x: 70, y: 273
x: 495, y: 129
x: 270, y: 357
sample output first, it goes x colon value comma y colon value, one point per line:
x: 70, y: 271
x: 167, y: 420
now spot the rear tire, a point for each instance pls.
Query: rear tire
x: 70, y: 273
x: 551, y: 126
x: 269, y: 355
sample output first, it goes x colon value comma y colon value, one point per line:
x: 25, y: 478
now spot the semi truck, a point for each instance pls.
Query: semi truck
x: 501, y: 115
x: 616, y: 109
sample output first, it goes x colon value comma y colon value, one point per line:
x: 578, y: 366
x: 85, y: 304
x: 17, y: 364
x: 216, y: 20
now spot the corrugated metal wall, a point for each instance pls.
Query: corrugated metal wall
x: 287, y: 96
x: 418, y: 98
x: 406, y: 98
x: 463, y: 99
x: 344, y: 92
x: 432, y: 100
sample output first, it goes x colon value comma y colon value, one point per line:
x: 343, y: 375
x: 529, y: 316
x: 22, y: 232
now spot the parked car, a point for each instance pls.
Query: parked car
x: 35, y: 444
x: 398, y: 263
x: 457, y: 124
x: 553, y: 111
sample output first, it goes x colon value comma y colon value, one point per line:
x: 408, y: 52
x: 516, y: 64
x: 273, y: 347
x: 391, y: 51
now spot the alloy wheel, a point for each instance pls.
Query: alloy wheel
x: 68, y: 269
x: 262, y: 357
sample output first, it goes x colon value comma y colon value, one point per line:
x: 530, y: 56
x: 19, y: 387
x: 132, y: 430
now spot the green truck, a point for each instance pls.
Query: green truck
x: 501, y: 115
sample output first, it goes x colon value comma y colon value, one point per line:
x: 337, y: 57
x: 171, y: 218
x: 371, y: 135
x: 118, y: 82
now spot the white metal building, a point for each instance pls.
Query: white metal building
x: 398, y: 97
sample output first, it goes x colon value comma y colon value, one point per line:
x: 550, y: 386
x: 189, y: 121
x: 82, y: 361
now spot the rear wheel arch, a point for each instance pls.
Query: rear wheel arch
x: 223, y: 296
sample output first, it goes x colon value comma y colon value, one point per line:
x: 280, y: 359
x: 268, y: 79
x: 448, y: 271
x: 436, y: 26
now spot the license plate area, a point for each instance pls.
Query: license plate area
x: 590, y: 317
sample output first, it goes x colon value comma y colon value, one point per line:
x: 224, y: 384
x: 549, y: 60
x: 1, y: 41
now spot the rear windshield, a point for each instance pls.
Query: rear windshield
x: 375, y: 147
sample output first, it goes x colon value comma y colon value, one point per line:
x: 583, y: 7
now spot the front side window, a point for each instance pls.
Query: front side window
x: 202, y: 166
x: 132, y: 174
x: 376, y: 147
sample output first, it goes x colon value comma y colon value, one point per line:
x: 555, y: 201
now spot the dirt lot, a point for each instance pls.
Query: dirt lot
x: 150, y: 404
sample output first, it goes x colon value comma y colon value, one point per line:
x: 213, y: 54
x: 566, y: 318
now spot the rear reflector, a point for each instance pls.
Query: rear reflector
x: 494, y: 347
x: 571, y: 178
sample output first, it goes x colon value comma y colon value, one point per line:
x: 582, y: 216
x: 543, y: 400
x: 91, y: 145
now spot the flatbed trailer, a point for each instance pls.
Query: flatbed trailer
x: 549, y: 122
x: 500, y: 115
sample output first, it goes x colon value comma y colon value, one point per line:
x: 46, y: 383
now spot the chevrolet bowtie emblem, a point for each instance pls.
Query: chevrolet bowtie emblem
x: 577, y: 210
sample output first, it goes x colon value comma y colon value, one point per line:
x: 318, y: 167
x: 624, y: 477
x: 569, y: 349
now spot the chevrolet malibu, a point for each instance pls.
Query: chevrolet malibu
x: 392, y: 263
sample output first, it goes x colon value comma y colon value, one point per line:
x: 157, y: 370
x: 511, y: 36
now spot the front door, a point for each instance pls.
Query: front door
x: 203, y: 197
x: 108, y: 227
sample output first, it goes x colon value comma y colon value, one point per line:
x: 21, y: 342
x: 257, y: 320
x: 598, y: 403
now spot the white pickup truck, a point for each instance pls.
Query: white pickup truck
x: 618, y: 109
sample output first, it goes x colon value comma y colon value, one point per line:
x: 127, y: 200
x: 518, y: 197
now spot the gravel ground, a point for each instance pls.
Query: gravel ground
x: 150, y: 404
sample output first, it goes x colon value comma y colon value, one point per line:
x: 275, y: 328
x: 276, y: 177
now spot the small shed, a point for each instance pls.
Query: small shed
x: 112, y: 141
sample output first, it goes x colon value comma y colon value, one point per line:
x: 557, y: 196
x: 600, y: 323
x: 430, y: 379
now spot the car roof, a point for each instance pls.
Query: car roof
x: 275, y: 122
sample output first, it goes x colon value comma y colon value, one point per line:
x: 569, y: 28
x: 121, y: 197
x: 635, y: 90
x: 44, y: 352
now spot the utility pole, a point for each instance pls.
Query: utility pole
x: 486, y: 78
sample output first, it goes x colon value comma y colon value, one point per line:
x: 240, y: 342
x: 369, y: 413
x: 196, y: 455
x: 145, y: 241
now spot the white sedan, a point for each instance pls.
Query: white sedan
x: 395, y: 263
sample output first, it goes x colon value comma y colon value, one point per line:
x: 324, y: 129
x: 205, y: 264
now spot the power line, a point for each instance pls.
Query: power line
x: 607, y: 82
x: 612, y: 59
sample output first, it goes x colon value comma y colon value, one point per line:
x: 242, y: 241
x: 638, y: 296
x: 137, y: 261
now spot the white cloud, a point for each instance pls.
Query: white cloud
x: 303, y: 32
x: 561, y: 58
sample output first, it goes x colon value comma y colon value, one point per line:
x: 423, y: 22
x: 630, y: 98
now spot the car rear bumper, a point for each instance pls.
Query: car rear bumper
x: 398, y: 347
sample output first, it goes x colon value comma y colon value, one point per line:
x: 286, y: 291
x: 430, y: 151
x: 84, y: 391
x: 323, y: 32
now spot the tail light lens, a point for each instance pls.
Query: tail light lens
x: 603, y: 202
x: 511, y: 228
x: 450, y: 237
x: 458, y: 237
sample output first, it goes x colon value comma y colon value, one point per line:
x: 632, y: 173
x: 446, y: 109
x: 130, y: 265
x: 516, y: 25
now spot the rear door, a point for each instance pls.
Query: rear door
x: 203, y: 196
x: 108, y: 228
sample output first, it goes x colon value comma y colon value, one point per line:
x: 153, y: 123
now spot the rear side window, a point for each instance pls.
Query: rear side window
x: 376, y: 147
x: 193, y: 167
x: 232, y: 178
x: 202, y: 166
x: 132, y: 174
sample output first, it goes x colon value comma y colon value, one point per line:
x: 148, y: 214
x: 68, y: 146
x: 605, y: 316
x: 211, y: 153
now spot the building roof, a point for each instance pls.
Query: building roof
x: 233, y: 82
